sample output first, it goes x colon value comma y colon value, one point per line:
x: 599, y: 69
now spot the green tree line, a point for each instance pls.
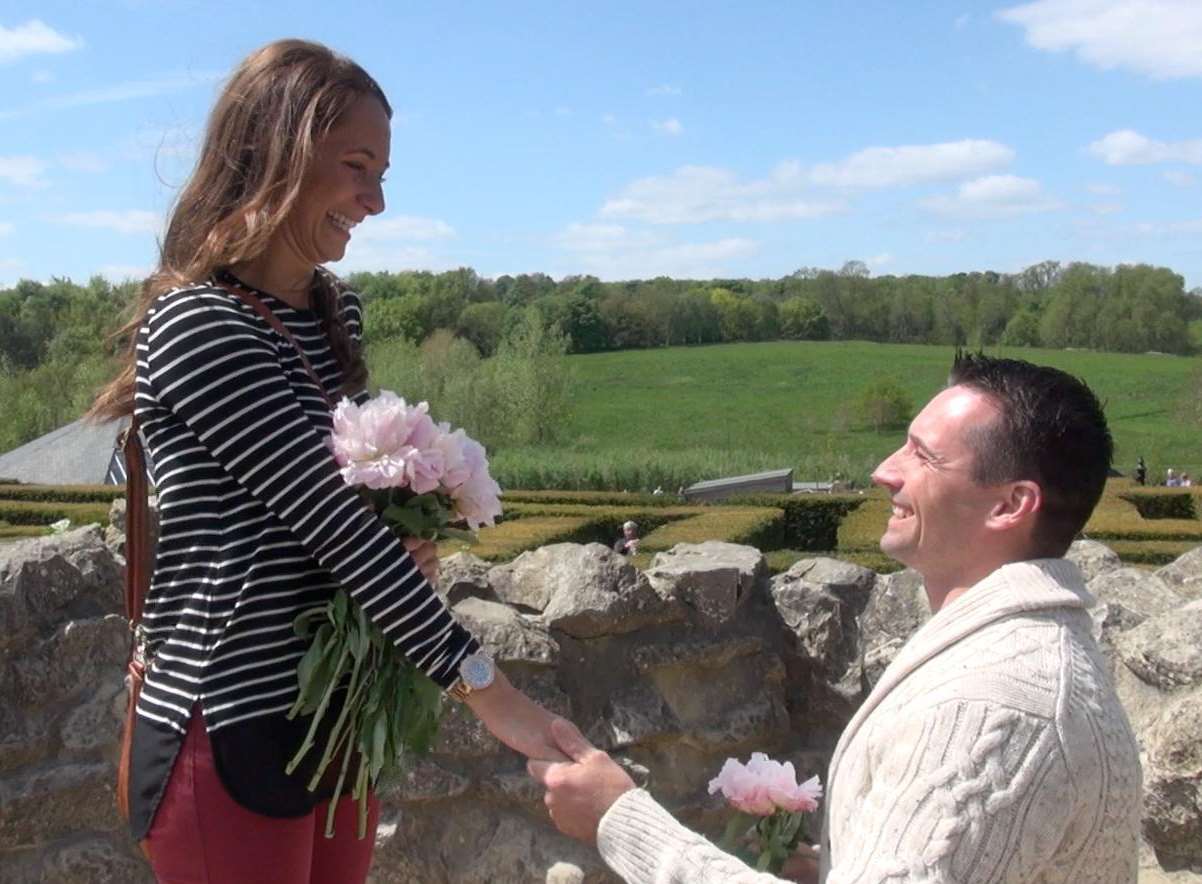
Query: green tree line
x: 54, y: 353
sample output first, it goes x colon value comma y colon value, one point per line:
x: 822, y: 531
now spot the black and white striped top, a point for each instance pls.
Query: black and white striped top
x: 256, y: 526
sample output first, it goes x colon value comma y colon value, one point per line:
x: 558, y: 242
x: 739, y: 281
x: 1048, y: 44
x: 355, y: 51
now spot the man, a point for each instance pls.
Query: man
x: 994, y: 747
x: 628, y: 543
x: 1170, y: 479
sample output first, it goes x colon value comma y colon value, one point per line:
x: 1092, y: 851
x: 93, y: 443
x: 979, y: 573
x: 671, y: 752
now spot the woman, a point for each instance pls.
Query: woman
x: 256, y: 523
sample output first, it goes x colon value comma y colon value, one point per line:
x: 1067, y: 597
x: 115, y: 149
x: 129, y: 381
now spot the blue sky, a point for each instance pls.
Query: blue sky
x: 627, y: 140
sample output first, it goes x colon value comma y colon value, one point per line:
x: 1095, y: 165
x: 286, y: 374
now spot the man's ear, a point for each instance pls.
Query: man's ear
x: 1018, y: 504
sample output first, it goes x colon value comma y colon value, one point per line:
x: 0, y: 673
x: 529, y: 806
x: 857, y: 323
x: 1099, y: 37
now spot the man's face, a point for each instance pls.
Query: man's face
x: 939, y: 512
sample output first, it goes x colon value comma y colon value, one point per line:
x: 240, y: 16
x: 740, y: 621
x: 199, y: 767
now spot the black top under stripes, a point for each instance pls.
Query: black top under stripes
x: 256, y: 526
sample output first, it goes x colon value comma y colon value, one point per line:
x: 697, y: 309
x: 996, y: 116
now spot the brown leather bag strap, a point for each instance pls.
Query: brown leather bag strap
x: 253, y: 301
x: 137, y: 525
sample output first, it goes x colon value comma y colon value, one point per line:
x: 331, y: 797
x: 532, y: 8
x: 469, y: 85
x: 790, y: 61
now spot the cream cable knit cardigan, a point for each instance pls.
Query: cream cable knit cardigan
x: 993, y: 749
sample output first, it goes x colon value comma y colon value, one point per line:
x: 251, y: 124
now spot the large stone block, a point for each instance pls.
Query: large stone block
x: 1093, y: 558
x: 1126, y: 597
x: 56, y: 802
x: 712, y: 579
x: 507, y: 634
x: 585, y: 591
x: 462, y: 576
x: 1173, y: 783
x: 1166, y: 651
x: 1185, y: 573
x: 895, y: 611
x: 46, y: 581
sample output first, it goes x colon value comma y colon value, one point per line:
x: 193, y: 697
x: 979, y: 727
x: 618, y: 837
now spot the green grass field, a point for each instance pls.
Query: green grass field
x: 673, y: 416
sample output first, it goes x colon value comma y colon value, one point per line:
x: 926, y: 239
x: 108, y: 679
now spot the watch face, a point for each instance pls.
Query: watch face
x: 477, y: 671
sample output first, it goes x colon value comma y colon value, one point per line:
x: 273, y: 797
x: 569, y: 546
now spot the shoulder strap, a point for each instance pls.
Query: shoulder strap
x: 254, y: 302
x: 137, y: 525
x: 138, y: 563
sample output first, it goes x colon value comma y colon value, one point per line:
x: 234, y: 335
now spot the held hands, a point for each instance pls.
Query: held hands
x: 581, y: 790
x: 516, y: 720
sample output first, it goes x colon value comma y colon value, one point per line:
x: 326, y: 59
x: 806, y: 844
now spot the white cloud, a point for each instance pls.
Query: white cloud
x: 994, y: 196
x: 404, y: 228
x: 82, y: 161
x: 117, y: 92
x: 1162, y: 228
x: 32, y: 38
x: 670, y: 126
x: 24, y: 171
x: 578, y: 237
x: 127, y: 221
x: 664, y: 89
x: 1179, y: 179
x: 693, y: 194
x: 913, y: 164
x: 880, y: 260
x: 5, y: 228
x: 612, y: 251
x: 1161, y: 38
x: 1126, y: 147
x: 1103, y: 189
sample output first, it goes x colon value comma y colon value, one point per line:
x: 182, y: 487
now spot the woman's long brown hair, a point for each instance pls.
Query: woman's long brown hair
x: 261, y: 137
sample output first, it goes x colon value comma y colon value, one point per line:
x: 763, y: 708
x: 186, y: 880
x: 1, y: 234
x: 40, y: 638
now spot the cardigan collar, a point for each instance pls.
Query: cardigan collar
x: 1019, y: 587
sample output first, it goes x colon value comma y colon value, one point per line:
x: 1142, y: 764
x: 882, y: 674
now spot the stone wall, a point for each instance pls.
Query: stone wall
x: 701, y: 657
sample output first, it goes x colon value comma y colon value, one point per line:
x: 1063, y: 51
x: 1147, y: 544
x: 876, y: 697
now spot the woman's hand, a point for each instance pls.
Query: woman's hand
x: 425, y: 554
x: 516, y: 720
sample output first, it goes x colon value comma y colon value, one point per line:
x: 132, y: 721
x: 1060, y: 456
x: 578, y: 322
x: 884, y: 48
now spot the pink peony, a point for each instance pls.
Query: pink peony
x: 476, y: 499
x: 763, y: 786
x: 387, y: 443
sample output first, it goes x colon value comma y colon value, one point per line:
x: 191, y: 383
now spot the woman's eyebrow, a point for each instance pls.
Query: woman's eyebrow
x: 368, y: 152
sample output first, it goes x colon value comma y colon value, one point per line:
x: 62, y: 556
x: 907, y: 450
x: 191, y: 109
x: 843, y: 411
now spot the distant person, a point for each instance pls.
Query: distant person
x: 1170, y: 479
x: 993, y: 747
x: 1141, y: 472
x: 628, y: 543
x: 658, y: 491
x: 1186, y: 481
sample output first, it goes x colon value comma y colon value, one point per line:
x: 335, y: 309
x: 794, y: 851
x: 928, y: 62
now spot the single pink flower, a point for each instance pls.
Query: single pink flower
x: 763, y: 786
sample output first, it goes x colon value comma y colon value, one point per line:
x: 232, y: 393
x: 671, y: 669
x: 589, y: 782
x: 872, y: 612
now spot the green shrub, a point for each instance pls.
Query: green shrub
x: 63, y: 493
x: 760, y: 527
x: 885, y: 405
x: 24, y: 512
x: 1163, y: 504
x: 811, y: 521
x: 1150, y: 552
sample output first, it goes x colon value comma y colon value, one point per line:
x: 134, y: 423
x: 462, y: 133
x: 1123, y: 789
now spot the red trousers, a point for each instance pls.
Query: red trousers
x: 201, y: 835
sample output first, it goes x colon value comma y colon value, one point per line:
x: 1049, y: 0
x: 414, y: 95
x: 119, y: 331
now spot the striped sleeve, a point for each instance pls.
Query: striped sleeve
x: 217, y: 368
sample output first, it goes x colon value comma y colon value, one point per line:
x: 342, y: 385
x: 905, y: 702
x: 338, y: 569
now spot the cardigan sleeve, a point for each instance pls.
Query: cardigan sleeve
x: 645, y: 844
x: 216, y: 367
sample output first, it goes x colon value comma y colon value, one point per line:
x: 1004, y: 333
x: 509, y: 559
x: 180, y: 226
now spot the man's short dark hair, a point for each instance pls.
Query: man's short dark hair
x: 1051, y: 431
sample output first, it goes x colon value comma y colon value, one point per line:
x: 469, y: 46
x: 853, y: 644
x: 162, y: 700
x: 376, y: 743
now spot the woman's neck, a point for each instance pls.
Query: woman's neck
x: 290, y: 283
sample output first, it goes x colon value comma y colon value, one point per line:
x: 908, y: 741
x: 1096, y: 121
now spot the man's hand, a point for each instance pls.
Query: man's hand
x: 579, y: 792
x: 425, y: 554
x: 802, y: 865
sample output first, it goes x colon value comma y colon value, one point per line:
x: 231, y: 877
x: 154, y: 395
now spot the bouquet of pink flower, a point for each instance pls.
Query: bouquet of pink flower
x: 770, y: 808
x: 421, y: 476
x: 423, y: 479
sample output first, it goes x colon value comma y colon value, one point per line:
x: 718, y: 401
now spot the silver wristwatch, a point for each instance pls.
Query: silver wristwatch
x: 476, y: 672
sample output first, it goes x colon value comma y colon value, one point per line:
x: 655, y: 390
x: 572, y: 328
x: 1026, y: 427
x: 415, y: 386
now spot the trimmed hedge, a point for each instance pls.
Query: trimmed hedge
x: 25, y: 512
x: 63, y: 493
x: 510, y: 538
x: 811, y: 521
x: 592, y: 498
x: 760, y: 527
x: 1150, y: 552
x: 18, y: 532
x: 1154, y: 503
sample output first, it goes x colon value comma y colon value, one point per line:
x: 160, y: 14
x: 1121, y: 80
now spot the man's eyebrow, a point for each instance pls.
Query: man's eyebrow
x: 919, y: 444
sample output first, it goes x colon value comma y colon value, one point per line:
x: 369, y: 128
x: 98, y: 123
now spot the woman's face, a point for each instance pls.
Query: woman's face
x: 343, y: 185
